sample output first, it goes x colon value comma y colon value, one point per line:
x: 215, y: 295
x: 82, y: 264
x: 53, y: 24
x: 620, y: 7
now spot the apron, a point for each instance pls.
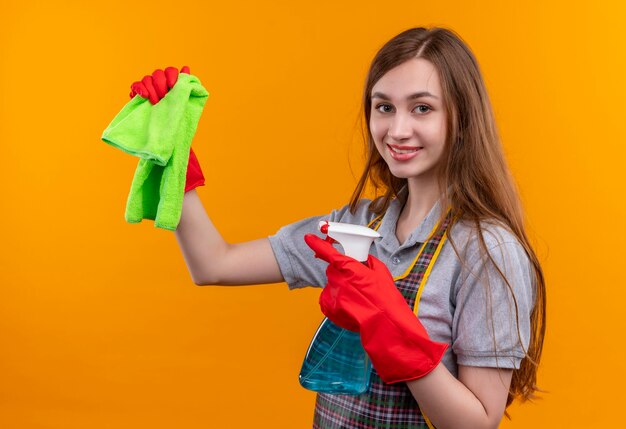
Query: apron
x: 386, y: 405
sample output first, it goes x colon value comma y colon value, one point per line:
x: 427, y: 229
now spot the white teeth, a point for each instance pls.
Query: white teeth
x: 403, y: 150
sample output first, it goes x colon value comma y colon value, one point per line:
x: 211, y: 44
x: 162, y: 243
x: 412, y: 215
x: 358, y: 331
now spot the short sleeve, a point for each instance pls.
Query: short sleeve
x: 296, y: 260
x: 491, y: 322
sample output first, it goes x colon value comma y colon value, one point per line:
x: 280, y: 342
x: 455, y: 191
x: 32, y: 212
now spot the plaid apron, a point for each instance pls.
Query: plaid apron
x: 384, y: 405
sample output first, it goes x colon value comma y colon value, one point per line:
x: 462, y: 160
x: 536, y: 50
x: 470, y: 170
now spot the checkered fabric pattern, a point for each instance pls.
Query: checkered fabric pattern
x: 390, y: 406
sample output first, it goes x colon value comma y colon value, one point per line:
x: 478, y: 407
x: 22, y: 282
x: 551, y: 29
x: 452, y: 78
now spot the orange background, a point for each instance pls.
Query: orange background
x: 100, y: 324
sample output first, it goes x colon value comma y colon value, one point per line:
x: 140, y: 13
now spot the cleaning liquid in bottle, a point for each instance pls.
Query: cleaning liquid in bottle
x: 335, y: 361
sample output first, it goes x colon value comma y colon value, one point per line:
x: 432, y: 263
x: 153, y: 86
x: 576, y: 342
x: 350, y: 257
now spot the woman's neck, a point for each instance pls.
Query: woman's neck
x: 420, y: 200
x: 422, y: 197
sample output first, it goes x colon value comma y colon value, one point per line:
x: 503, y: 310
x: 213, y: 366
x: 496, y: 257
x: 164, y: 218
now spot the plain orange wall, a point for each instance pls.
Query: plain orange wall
x: 100, y: 324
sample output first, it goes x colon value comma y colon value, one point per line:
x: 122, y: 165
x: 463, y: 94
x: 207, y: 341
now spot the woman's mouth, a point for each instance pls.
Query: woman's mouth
x: 403, y: 153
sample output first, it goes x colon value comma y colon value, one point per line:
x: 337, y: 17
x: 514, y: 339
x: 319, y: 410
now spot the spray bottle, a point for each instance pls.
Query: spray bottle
x: 335, y: 361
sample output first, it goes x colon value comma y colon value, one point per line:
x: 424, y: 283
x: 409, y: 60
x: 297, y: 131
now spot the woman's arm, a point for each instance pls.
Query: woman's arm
x: 476, y: 400
x: 213, y: 261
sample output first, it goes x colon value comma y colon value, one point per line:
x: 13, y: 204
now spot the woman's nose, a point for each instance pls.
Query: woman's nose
x: 400, y: 127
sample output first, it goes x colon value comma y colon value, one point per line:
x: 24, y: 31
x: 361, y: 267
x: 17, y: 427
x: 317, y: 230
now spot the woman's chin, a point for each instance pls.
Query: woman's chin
x: 412, y: 174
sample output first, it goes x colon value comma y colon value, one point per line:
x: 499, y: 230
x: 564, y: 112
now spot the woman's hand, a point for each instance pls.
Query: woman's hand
x: 155, y: 86
x: 364, y: 298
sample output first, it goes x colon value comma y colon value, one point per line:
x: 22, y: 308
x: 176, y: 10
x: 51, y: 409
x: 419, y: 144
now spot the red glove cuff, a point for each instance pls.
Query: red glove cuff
x: 195, y: 177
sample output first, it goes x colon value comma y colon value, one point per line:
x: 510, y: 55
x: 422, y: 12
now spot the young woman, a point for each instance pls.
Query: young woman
x: 454, y: 250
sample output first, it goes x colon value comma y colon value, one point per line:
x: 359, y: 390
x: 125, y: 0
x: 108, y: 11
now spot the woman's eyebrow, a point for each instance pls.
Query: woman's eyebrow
x: 410, y: 97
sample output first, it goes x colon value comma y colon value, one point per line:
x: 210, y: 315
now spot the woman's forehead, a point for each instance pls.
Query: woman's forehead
x: 415, y: 76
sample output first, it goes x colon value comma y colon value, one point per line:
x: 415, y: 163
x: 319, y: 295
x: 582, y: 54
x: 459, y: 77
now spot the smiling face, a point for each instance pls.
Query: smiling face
x: 408, y: 120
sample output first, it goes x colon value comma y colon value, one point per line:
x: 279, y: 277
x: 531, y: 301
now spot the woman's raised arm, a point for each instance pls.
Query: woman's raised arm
x: 212, y: 261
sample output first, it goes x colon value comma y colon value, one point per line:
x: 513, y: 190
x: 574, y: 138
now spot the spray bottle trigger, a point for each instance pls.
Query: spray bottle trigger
x: 324, y: 230
x: 330, y: 239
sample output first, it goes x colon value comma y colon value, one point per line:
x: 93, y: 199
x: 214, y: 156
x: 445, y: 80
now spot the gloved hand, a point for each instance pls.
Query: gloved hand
x: 364, y: 299
x: 154, y: 87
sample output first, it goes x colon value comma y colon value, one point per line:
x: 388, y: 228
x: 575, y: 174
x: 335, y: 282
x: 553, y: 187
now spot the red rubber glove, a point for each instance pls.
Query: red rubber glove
x: 195, y: 177
x: 364, y: 299
x: 154, y: 87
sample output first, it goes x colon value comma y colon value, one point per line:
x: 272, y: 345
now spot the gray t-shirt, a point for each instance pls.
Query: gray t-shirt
x: 465, y: 302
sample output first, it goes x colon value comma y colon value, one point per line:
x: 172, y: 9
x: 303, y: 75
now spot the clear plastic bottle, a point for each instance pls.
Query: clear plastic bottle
x: 336, y: 362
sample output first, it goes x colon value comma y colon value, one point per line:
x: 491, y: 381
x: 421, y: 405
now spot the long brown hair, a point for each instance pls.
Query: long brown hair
x: 475, y: 180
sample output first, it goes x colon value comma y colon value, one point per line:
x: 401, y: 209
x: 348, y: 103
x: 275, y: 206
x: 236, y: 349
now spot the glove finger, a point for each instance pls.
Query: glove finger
x: 323, y: 249
x: 159, y: 82
x: 152, y: 94
x: 171, y: 76
x: 138, y: 88
x: 185, y: 69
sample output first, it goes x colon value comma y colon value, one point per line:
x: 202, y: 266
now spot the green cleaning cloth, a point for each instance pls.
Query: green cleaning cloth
x: 160, y: 135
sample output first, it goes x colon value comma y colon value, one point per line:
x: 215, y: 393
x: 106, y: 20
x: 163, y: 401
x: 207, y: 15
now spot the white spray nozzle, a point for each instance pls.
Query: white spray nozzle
x: 355, y: 239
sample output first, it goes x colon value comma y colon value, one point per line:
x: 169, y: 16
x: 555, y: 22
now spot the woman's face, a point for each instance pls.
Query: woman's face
x: 408, y: 120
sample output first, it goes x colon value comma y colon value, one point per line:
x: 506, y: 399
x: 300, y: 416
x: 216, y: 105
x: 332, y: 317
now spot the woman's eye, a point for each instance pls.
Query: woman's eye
x: 422, y: 108
x: 384, y: 108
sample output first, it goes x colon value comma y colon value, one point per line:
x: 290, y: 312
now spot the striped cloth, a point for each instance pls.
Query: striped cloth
x: 384, y: 405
